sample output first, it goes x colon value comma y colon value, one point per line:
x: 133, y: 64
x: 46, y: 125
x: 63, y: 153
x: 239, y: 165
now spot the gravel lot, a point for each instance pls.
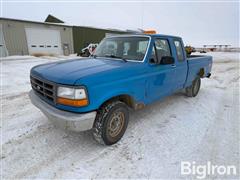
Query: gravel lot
x: 158, y: 138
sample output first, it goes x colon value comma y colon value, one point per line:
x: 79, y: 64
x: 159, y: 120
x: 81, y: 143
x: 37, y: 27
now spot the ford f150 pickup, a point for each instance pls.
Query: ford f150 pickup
x: 125, y: 72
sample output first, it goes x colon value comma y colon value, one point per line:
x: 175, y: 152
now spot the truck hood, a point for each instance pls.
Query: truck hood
x: 86, y: 69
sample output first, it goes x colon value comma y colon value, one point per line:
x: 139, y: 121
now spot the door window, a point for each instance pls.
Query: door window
x: 162, y: 48
x: 179, y: 50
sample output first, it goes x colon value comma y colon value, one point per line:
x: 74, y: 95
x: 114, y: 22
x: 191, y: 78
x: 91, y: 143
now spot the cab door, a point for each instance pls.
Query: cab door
x: 160, y: 76
x: 181, y: 64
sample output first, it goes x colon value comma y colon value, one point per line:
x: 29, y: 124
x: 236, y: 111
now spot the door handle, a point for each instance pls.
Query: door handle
x: 173, y: 65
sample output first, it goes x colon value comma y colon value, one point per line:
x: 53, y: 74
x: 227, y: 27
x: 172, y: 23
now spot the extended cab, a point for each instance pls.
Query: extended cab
x: 125, y: 72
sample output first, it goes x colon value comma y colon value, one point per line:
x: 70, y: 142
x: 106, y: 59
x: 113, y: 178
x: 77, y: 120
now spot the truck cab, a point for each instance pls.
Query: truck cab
x: 168, y: 64
x: 126, y: 71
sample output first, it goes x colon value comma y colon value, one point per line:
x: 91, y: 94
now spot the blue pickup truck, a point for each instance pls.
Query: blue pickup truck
x: 125, y: 72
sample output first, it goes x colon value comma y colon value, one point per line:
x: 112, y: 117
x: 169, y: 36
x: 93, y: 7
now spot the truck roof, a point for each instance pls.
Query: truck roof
x: 164, y: 35
x: 150, y: 35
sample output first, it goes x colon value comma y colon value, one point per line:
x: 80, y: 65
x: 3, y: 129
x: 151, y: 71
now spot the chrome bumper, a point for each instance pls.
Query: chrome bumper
x: 63, y: 119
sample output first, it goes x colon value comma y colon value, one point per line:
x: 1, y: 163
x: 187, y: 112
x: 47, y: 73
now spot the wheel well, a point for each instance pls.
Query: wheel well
x: 201, y: 72
x: 123, y: 98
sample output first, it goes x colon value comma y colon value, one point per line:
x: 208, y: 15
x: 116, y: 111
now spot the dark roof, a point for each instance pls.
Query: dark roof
x: 35, y: 22
x: 53, y: 19
x: 57, y: 24
x: 98, y: 28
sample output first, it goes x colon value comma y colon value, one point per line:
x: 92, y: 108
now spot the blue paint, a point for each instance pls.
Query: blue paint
x: 105, y: 78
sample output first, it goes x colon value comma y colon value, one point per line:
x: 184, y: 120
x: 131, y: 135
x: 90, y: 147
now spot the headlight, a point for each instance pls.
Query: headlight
x: 72, y: 96
x: 71, y: 93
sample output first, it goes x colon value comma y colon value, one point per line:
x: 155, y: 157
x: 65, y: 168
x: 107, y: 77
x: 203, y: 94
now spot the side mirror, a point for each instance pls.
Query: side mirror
x: 167, y: 60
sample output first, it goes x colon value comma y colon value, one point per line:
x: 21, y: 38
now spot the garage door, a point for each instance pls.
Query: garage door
x: 3, y: 49
x: 43, y: 41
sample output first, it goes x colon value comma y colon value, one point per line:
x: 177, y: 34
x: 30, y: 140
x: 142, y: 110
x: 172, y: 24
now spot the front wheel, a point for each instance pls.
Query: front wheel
x: 193, y: 90
x: 111, y: 122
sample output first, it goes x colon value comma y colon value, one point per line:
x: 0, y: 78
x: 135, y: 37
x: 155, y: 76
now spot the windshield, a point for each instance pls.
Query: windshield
x: 130, y: 48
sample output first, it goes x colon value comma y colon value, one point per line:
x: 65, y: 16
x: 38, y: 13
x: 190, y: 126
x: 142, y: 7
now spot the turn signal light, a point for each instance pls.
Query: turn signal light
x: 72, y: 102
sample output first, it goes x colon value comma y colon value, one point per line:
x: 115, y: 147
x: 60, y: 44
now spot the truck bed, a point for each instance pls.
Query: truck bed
x: 197, y: 63
x: 194, y: 57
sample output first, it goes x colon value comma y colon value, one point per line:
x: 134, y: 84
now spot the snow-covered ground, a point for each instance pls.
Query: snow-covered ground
x: 158, y: 138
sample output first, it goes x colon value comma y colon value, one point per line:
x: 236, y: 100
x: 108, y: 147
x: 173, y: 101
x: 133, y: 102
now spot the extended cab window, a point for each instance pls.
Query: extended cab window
x: 179, y: 50
x: 129, y: 48
x: 162, y: 48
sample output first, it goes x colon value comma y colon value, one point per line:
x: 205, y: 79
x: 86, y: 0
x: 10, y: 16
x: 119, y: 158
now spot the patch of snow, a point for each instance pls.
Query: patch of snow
x: 9, y: 58
x: 28, y: 57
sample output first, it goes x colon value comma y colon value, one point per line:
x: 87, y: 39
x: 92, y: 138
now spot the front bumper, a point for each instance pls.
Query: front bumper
x: 63, y: 119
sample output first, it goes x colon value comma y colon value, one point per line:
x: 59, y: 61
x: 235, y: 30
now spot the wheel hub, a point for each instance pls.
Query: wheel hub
x: 116, y: 124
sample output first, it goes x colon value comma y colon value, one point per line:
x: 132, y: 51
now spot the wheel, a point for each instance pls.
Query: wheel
x: 111, y: 122
x: 193, y: 90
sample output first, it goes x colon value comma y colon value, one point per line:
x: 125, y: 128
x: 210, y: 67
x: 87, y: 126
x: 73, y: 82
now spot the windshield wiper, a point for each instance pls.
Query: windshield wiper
x: 113, y: 56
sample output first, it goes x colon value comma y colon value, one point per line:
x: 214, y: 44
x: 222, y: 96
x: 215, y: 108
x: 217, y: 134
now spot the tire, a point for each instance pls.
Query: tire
x: 193, y: 90
x: 111, y: 123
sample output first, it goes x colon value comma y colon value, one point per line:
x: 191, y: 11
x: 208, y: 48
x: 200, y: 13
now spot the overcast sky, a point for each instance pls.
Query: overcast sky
x: 197, y: 22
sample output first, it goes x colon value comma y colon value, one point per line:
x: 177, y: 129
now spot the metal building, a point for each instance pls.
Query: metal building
x: 3, y: 49
x: 82, y: 36
x: 52, y: 37
x: 21, y: 37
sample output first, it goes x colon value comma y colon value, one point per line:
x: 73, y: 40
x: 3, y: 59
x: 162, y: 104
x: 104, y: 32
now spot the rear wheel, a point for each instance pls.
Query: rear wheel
x: 111, y: 123
x: 193, y: 90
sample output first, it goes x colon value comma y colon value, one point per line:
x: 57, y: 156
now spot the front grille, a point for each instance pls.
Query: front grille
x: 43, y: 88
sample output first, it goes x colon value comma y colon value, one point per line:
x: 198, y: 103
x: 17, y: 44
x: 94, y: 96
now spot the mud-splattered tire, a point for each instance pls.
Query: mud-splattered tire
x: 111, y: 123
x: 193, y: 90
